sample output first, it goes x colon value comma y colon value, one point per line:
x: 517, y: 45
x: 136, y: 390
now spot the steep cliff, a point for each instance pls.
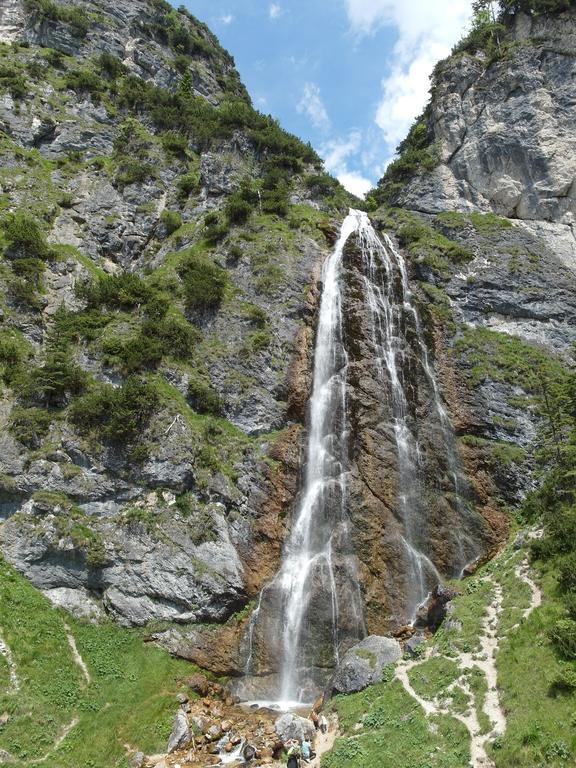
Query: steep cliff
x: 490, y: 168
x: 160, y: 244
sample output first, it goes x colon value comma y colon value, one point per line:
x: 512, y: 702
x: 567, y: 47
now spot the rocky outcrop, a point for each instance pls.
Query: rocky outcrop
x: 191, y: 530
x: 504, y: 128
x: 365, y: 664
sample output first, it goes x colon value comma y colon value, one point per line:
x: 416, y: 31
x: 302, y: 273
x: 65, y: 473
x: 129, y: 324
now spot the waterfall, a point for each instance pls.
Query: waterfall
x: 314, y: 604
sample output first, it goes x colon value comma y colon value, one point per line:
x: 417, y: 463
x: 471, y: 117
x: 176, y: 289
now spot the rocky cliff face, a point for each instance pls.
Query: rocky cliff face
x: 161, y: 248
x: 176, y: 512
x: 498, y: 141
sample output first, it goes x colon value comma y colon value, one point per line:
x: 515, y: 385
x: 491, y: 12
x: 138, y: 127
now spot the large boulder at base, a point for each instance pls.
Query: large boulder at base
x: 290, y: 727
x: 180, y: 735
x: 364, y: 663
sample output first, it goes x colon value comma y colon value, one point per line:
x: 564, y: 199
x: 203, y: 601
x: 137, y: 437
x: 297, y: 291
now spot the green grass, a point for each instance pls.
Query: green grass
x: 395, y: 733
x: 541, y: 719
x: 501, y: 357
x: 129, y: 701
x: 469, y: 610
x: 431, y: 678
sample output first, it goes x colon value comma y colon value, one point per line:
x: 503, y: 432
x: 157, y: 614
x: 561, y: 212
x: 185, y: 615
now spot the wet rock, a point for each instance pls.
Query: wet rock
x: 364, y: 664
x: 434, y: 611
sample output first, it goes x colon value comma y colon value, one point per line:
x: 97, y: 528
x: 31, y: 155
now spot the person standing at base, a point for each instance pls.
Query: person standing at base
x: 323, y: 723
x: 293, y: 755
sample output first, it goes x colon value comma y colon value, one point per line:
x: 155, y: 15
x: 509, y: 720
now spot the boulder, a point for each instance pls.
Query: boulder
x: 364, y: 664
x: 414, y: 644
x: 180, y: 735
x: 291, y: 726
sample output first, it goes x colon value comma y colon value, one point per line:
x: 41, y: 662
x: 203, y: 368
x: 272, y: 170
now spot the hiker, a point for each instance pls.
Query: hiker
x: 323, y: 723
x: 293, y: 756
x: 307, y: 753
x: 314, y: 718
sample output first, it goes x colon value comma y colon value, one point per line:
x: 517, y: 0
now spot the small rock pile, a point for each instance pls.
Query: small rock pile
x: 210, y: 728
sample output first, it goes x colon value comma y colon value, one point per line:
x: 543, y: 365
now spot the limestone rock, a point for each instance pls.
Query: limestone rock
x: 291, y: 726
x: 180, y: 735
x: 78, y: 602
x: 364, y: 664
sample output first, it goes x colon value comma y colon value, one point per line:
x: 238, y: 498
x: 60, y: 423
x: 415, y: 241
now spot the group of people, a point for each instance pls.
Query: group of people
x: 302, y: 751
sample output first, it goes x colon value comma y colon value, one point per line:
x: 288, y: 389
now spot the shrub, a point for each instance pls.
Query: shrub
x: 25, y: 237
x: 140, y: 352
x: 415, y: 156
x: 188, y: 184
x: 567, y: 572
x: 178, y: 337
x: 204, y: 282
x: 118, y: 415
x: 171, y: 220
x: 123, y: 291
x: 174, y: 143
x: 30, y: 425
x: 14, y: 352
x: 73, y: 15
x: 110, y: 65
x: 563, y: 635
x: 321, y: 184
x: 216, y: 229
x: 84, y: 81
x: 238, y: 209
x: 56, y: 380
x: 203, y: 398
x: 13, y: 81
x: 131, y: 170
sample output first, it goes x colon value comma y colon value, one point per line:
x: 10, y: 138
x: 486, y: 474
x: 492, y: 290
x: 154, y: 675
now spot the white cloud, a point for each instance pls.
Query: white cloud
x: 311, y: 104
x: 355, y: 183
x: 228, y: 18
x: 336, y: 154
x: 275, y: 11
x: 426, y: 31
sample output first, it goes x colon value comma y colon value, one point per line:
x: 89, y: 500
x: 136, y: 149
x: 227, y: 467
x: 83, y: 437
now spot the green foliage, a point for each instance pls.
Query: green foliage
x: 188, y: 183
x: 395, y: 732
x: 85, y: 81
x: 174, y: 143
x: 203, y: 398
x: 501, y: 357
x: 30, y: 425
x: 428, y: 246
x: 110, y: 65
x: 117, y: 414
x: 172, y: 220
x: 25, y: 239
x: 415, y: 156
x: 13, y: 81
x: 204, y: 281
x: 563, y: 635
x: 123, y: 291
x: 74, y: 15
x: 56, y: 380
x: 15, y: 352
x: 238, y: 208
x: 133, y: 154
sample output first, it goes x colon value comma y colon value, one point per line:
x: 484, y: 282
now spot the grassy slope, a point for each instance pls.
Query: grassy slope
x: 541, y: 720
x: 129, y: 701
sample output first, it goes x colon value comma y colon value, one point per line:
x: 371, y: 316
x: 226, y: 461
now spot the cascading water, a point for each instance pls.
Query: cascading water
x: 314, y: 604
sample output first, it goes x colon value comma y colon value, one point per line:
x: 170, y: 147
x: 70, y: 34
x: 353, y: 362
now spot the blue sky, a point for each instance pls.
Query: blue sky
x: 347, y: 75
